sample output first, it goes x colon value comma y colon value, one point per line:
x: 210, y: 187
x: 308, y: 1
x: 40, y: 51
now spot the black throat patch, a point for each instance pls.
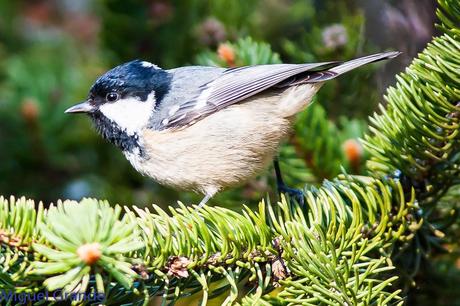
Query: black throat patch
x: 115, y: 135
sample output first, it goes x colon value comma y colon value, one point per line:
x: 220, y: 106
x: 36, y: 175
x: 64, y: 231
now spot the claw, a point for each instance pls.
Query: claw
x: 293, y: 193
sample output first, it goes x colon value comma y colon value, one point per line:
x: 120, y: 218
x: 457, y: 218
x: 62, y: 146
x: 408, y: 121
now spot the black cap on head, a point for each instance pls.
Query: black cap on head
x: 133, y: 79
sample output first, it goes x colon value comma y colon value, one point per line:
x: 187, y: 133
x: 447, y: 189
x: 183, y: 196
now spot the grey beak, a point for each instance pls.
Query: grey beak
x: 84, y: 107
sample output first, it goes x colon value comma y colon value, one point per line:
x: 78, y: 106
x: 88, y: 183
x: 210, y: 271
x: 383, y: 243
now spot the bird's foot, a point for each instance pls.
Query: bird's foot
x: 293, y: 194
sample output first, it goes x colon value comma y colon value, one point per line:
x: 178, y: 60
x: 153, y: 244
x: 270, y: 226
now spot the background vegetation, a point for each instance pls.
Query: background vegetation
x: 51, y: 52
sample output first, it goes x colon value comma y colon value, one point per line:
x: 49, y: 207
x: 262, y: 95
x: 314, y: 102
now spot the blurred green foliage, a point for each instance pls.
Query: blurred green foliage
x: 51, y: 52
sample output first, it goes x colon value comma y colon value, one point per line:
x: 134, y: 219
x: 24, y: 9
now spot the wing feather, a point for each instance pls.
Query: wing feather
x: 237, y: 84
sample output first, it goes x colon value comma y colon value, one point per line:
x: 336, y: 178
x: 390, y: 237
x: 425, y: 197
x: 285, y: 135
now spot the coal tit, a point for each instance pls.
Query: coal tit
x: 205, y: 128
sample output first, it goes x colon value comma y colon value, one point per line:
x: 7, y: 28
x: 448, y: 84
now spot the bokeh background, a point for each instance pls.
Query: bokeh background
x: 51, y: 51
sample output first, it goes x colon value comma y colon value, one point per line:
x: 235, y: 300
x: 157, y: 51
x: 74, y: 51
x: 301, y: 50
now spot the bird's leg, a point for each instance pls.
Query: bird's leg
x: 293, y: 193
x: 204, y: 201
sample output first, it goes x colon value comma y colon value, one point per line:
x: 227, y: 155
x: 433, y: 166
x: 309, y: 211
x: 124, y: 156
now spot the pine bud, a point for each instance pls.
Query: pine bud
x: 227, y: 54
x: 161, y: 11
x: 335, y: 36
x: 29, y: 109
x: 90, y: 253
x: 178, y: 266
x: 211, y: 32
x: 353, y: 151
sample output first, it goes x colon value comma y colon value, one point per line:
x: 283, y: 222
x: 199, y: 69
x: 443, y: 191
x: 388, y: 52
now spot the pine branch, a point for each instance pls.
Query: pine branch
x: 337, y: 250
x: 417, y: 134
x: 338, y: 245
x: 416, y: 137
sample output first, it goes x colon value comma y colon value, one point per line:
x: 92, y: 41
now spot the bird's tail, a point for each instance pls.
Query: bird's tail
x: 291, y: 106
x: 358, y: 62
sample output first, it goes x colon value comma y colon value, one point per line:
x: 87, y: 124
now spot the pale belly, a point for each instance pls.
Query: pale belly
x: 223, y: 150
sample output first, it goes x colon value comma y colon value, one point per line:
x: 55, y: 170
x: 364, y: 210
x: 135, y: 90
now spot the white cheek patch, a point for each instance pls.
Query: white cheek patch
x: 130, y: 114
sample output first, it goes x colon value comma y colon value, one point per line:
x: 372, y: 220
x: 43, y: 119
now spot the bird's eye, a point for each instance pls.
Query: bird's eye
x: 111, y: 97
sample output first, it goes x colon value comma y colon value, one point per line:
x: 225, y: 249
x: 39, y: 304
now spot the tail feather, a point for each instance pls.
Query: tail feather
x: 338, y: 68
x: 355, y: 63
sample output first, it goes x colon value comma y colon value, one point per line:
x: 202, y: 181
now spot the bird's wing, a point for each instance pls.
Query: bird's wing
x: 234, y: 85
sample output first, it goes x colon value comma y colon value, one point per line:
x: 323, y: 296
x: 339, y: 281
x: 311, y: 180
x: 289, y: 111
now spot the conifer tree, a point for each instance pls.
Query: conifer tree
x: 342, y: 248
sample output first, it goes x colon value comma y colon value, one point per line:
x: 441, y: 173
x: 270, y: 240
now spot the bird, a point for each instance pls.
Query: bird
x: 205, y: 129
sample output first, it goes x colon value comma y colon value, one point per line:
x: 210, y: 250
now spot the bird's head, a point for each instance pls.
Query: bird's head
x: 122, y: 100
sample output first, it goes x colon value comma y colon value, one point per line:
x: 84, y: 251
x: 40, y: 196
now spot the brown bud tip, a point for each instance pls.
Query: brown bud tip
x: 279, y: 270
x: 227, y: 54
x: 90, y: 253
x: 211, y: 32
x: 178, y: 266
x: 29, y: 109
x: 353, y: 151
